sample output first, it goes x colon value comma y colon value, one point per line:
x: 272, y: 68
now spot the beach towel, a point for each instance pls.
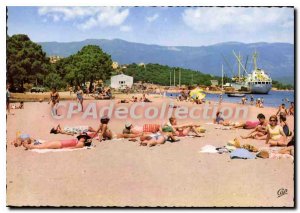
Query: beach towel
x: 59, y: 150
x: 208, y: 149
x: 242, y: 154
x: 223, y: 127
x: 151, y: 128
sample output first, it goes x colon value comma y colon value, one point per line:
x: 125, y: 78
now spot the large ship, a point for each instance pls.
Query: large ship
x: 256, y: 82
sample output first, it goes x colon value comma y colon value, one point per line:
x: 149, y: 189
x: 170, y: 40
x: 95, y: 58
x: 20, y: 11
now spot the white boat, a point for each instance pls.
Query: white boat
x: 256, y: 82
x: 237, y: 95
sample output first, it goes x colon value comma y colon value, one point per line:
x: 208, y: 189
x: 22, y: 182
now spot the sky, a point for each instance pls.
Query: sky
x: 168, y: 26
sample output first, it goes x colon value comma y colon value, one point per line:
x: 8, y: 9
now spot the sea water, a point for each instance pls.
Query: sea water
x: 273, y: 99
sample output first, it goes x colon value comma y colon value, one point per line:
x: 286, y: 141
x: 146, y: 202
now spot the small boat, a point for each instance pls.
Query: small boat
x: 237, y: 95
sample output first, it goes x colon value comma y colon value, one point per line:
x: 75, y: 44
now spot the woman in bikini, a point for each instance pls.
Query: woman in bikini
x: 181, y: 130
x: 79, y: 95
x: 275, y: 136
x: 54, y: 99
x: 30, y: 143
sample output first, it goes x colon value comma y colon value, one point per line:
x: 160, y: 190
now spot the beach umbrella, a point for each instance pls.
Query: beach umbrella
x: 197, y: 93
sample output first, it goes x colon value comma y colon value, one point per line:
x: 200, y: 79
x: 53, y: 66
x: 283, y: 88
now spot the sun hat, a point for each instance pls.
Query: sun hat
x: 128, y: 124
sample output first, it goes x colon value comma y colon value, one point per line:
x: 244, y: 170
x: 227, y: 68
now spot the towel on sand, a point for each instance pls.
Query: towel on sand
x: 58, y: 150
x: 208, y: 149
x: 242, y: 154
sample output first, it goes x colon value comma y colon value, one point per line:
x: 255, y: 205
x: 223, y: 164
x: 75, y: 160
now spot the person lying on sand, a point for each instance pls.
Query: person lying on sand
x: 30, y: 143
x: 71, y: 130
x: 106, y: 134
x: 260, y: 131
x: 275, y: 133
x: 156, y: 138
x: 247, y: 124
x: 180, y: 130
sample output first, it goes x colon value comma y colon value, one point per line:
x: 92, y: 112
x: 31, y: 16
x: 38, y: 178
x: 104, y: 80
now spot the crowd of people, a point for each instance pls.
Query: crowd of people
x: 274, y: 131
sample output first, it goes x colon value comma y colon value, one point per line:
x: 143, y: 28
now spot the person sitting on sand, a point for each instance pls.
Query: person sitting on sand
x: 282, y: 110
x: 71, y: 130
x: 219, y: 119
x: 78, y: 142
x: 144, y: 99
x: 260, y: 131
x: 275, y: 133
x: 181, y: 130
x: 292, y: 109
x: 103, y: 130
x: 106, y: 134
x: 285, y: 127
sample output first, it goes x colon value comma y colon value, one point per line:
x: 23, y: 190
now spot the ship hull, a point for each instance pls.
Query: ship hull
x: 260, y: 88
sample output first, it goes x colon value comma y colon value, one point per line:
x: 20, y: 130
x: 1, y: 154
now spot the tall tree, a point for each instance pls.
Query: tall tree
x: 26, y: 61
x: 89, y: 64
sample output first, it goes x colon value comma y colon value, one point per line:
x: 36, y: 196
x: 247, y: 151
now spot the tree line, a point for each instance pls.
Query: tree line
x: 27, y: 63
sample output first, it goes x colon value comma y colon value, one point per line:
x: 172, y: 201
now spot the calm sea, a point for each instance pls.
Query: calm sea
x: 273, y: 99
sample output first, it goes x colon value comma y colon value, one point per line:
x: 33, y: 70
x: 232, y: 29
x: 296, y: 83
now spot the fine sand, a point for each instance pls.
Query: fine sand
x: 122, y: 173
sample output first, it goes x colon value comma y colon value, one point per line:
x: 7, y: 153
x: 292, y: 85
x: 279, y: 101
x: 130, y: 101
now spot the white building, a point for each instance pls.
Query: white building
x: 121, y: 81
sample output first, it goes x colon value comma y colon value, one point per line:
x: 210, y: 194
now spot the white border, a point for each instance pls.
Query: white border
x: 5, y: 3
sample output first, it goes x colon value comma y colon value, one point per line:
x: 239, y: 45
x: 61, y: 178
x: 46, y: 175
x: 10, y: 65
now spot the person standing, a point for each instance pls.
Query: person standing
x: 7, y: 98
x: 79, y: 95
x: 54, y: 99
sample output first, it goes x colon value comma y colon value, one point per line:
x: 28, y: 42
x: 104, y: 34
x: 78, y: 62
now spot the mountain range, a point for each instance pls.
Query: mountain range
x: 277, y: 59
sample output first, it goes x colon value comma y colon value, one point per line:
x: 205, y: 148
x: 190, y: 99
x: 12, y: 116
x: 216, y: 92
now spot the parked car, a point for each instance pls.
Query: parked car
x: 17, y: 89
x: 38, y: 89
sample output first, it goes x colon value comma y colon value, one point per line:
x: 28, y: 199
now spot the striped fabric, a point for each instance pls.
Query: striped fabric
x: 150, y: 128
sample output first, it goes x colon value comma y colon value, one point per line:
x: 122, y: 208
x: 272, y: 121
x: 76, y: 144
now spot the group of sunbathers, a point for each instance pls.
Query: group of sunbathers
x: 274, y: 133
x: 149, y: 134
x: 135, y: 99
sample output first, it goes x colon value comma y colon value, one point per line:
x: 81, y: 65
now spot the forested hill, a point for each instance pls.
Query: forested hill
x: 276, y: 58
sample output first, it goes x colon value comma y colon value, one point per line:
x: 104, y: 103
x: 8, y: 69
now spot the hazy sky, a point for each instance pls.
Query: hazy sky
x: 172, y: 26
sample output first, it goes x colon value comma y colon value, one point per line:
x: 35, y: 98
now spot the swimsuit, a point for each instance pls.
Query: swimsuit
x: 251, y: 124
x: 275, y: 132
x: 69, y: 143
x: 218, y: 119
x: 79, y: 95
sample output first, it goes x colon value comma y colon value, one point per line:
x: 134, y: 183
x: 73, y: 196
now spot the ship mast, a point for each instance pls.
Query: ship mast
x: 239, y: 67
x: 254, y: 60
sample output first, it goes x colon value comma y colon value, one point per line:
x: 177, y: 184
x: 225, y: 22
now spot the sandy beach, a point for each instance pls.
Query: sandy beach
x: 122, y: 173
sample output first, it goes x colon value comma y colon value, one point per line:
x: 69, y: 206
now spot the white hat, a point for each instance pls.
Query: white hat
x: 128, y: 124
